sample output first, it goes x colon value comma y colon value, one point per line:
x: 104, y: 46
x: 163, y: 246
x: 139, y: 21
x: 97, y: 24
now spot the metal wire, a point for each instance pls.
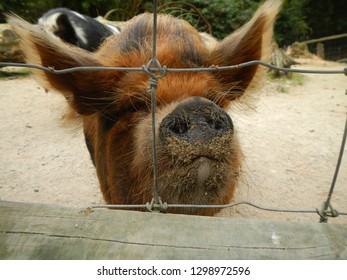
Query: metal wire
x: 327, y: 204
x: 154, y: 67
x: 157, y: 204
x: 212, y: 68
x: 153, y: 83
x: 222, y: 206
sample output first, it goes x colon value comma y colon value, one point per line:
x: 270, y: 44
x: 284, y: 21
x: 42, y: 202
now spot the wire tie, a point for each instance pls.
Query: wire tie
x: 153, y: 83
x: 154, y: 64
x: 325, y: 213
x: 156, y: 207
x: 333, y: 212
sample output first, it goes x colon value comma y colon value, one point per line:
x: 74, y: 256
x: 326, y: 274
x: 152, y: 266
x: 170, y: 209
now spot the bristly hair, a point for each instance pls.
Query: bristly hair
x: 178, y: 43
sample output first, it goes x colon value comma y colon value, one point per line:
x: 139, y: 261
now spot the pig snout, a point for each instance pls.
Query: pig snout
x: 198, y: 155
x: 196, y: 120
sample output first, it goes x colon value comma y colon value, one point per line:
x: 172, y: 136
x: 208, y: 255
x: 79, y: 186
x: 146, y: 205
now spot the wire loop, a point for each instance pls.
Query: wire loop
x: 156, y: 207
x: 327, y: 211
x: 151, y: 71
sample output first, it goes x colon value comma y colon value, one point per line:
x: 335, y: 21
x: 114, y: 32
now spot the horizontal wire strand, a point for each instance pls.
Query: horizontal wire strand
x: 212, y: 68
x: 223, y: 206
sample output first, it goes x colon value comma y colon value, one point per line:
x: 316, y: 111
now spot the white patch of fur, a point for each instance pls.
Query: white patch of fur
x: 80, y: 33
x: 50, y: 23
x: 79, y: 15
x: 113, y: 29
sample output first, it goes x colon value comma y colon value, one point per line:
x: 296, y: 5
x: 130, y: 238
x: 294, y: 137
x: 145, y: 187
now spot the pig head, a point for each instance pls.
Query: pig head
x: 198, y: 154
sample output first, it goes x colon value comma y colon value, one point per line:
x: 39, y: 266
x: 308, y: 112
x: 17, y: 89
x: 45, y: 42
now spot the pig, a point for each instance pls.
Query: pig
x: 75, y: 28
x: 199, y: 157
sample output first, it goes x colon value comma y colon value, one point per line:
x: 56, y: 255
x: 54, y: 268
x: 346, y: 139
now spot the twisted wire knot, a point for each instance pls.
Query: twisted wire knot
x: 156, y: 67
x: 153, y: 83
x: 156, y: 207
x: 327, y: 211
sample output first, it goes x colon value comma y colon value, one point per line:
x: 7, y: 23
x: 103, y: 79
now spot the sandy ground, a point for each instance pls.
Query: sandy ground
x: 290, y: 142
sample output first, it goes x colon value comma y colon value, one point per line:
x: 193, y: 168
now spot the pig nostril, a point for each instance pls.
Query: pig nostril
x: 179, y: 127
x: 195, y: 121
x: 214, y: 124
x: 219, y: 124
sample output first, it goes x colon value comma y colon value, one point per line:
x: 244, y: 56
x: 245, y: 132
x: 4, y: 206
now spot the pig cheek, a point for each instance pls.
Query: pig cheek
x: 144, y: 135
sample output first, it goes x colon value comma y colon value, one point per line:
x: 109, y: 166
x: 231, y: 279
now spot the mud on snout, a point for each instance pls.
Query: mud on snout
x: 198, y: 155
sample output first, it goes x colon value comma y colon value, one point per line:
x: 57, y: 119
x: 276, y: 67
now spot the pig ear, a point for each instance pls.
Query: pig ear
x: 86, y: 91
x: 252, y: 42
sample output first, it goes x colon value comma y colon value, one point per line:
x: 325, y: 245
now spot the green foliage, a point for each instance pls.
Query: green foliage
x: 326, y: 17
x: 291, y: 25
x: 288, y: 79
x: 298, y: 20
x: 31, y: 10
x: 28, y: 9
x: 225, y: 15
x: 11, y: 73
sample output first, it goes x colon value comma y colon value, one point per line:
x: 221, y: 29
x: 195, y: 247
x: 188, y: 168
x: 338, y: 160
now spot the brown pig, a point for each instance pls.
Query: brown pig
x: 198, y: 154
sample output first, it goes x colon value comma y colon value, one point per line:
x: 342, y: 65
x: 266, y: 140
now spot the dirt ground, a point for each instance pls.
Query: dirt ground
x: 290, y: 142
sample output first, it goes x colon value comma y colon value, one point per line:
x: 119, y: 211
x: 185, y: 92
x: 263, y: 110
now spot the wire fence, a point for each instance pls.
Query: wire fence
x: 155, y: 72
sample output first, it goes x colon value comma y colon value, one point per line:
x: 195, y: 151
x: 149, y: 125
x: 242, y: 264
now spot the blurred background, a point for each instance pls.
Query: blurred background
x: 299, y: 20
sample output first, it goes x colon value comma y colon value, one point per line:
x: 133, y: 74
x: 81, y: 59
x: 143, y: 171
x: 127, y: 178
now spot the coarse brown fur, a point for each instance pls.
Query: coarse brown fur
x: 115, y: 106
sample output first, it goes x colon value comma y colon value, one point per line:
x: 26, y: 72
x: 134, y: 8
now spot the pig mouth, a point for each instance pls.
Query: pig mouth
x: 204, y: 170
x: 200, y: 179
x: 198, y: 172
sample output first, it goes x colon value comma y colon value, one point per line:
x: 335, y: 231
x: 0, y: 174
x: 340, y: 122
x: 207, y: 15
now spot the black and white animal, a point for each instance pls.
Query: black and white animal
x: 76, y: 29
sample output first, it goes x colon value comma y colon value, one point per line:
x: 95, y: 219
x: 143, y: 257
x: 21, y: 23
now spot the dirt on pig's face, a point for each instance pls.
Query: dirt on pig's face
x: 198, y: 155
